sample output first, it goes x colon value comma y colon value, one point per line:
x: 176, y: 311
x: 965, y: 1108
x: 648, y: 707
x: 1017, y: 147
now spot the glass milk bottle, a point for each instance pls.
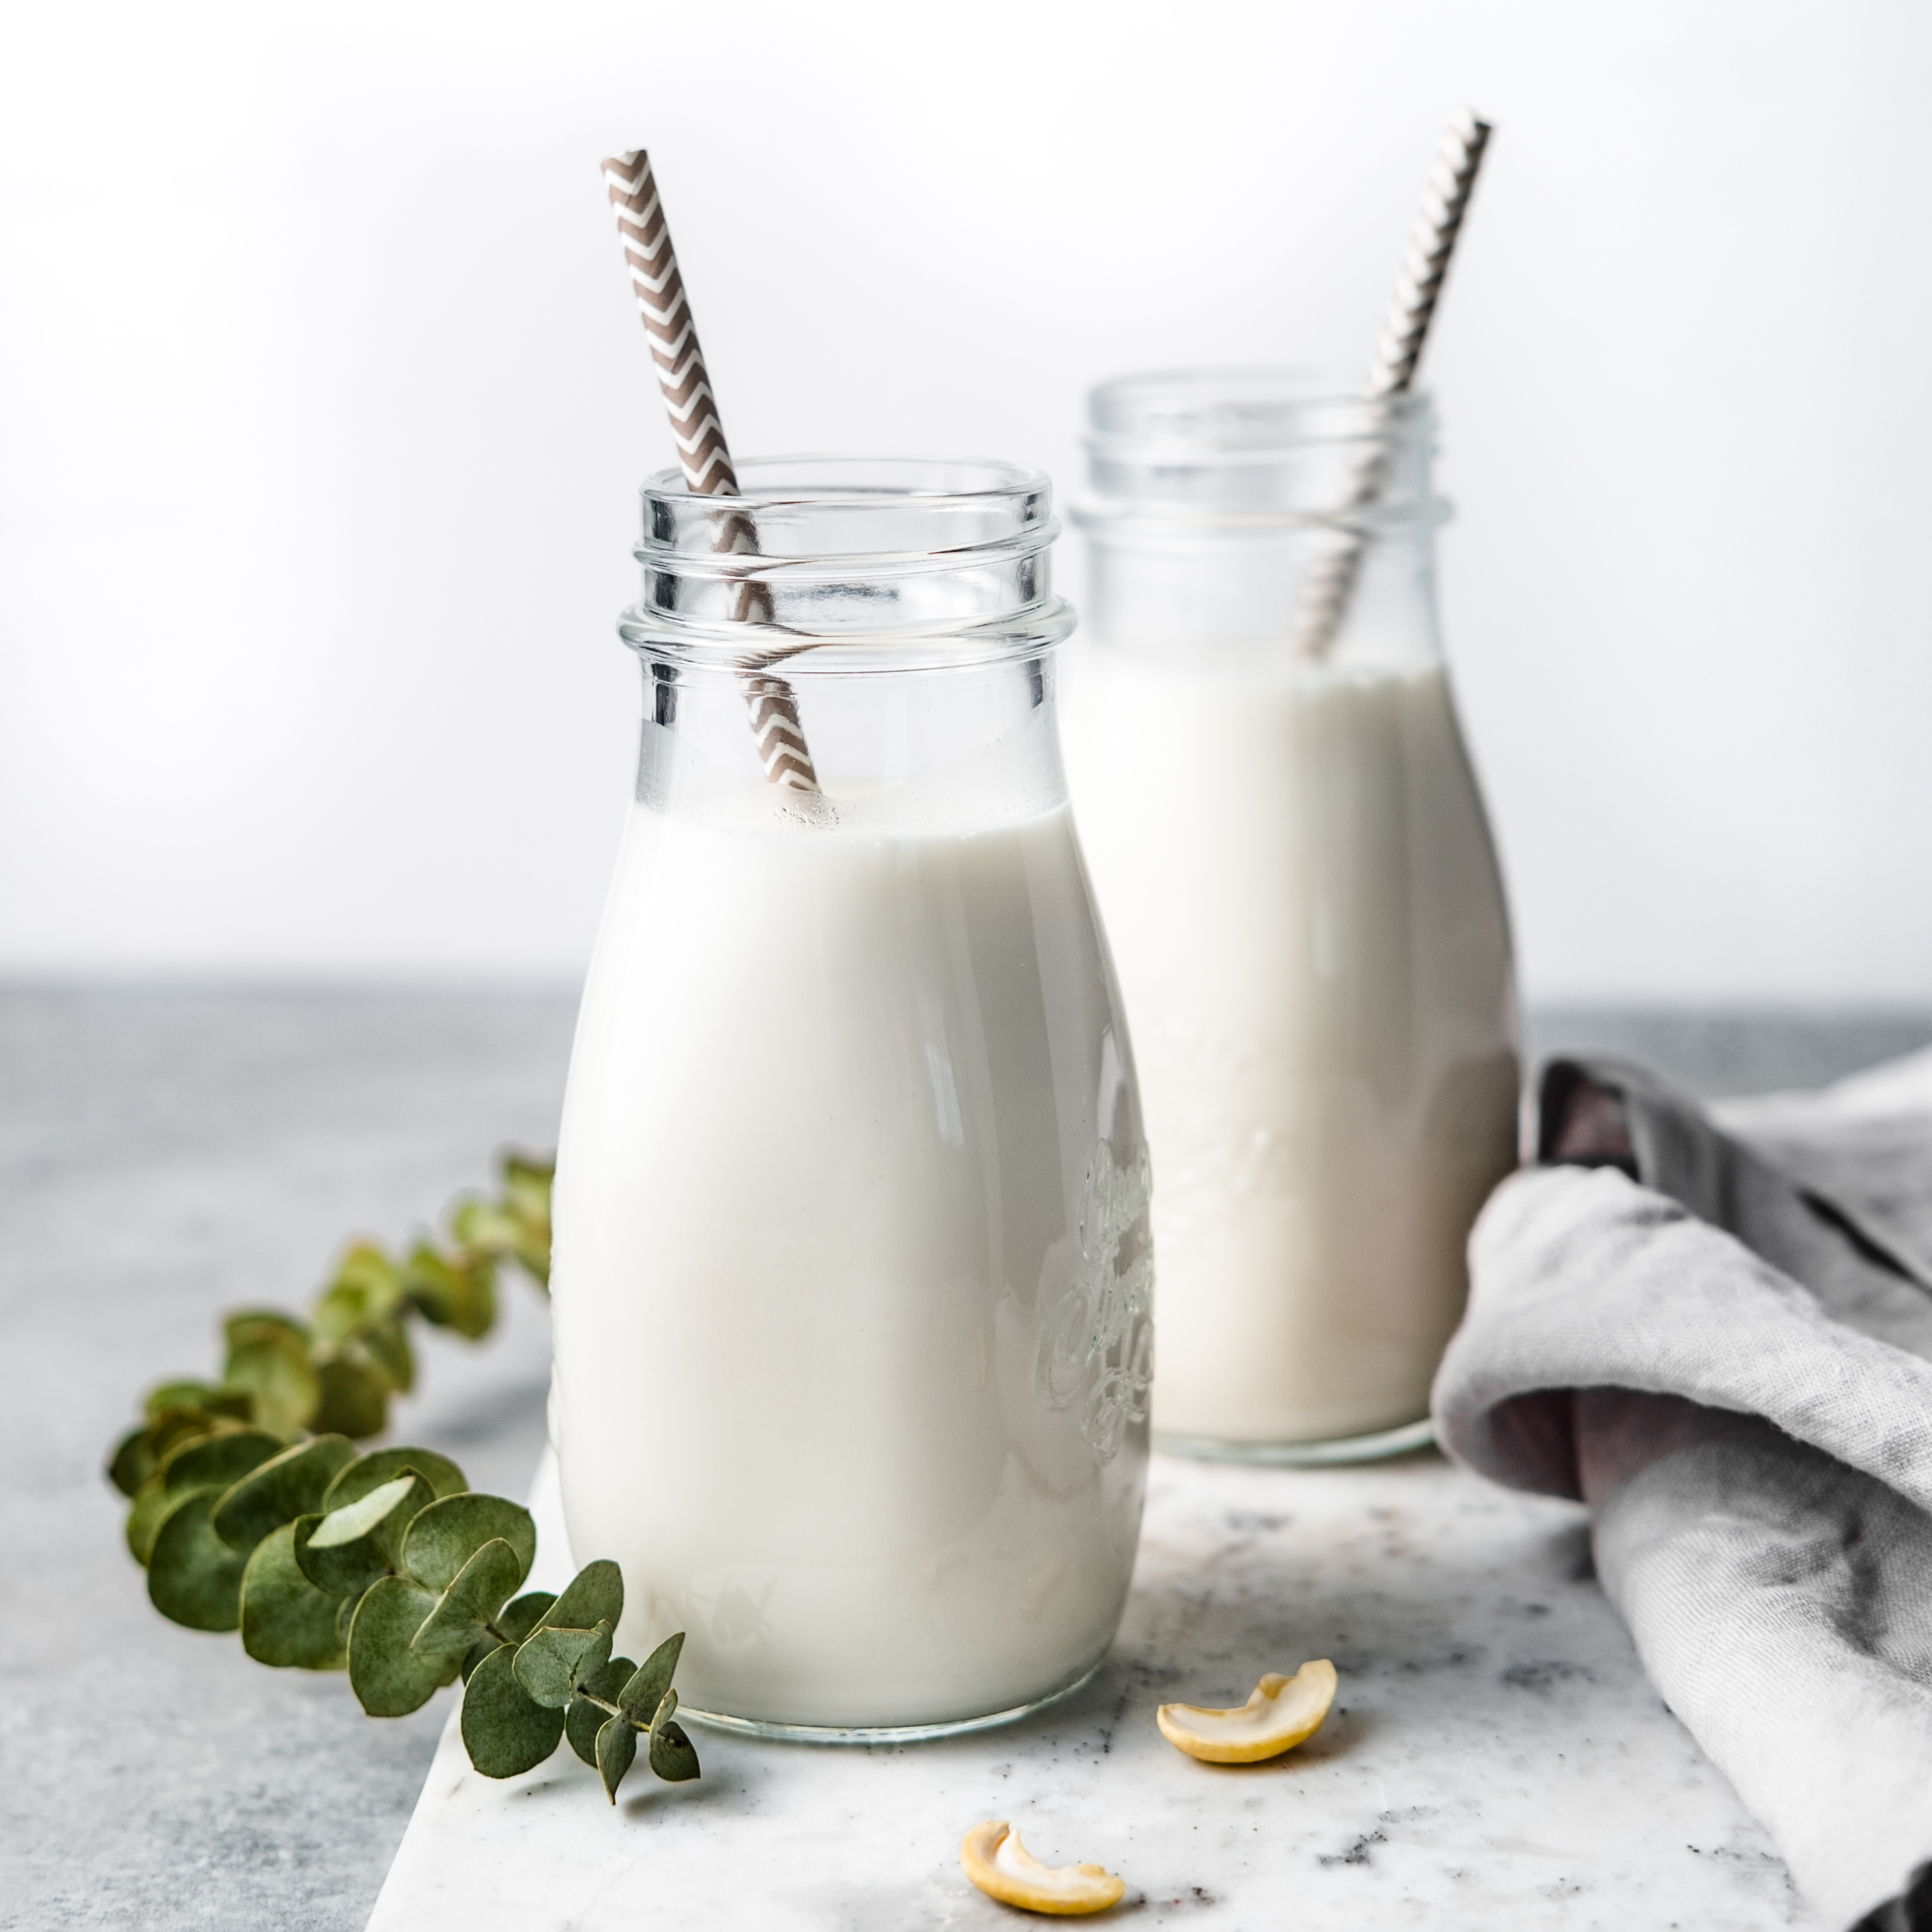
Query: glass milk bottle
x: 1303, y: 900
x: 852, y: 1282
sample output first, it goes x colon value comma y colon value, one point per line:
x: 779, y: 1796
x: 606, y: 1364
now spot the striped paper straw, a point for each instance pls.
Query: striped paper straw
x: 1331, y: 579
x: 702, y: 450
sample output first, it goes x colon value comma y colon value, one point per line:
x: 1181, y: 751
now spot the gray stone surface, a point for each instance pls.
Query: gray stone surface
x: 165, y: 1154
x: 1716, y: 1055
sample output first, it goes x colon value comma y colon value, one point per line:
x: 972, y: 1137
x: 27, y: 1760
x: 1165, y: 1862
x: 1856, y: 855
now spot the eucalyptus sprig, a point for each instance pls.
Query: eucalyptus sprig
x: 334, y: 1373
x: 388, y: 1565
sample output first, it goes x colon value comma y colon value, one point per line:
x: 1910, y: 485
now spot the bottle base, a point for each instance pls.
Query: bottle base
x: 1371, y: 1448
x: 879, y: 1734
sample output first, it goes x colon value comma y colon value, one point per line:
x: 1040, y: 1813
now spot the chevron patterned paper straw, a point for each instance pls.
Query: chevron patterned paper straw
x: 702, y: 450
x: 1445, y: 203
x: 1331, y: 579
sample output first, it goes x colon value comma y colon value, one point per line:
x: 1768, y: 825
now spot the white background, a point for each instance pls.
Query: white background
x: 322, y: 400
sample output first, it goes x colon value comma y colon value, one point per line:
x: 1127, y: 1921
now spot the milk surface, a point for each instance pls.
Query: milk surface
x: 850, y: 1280
x: 1305, y: 912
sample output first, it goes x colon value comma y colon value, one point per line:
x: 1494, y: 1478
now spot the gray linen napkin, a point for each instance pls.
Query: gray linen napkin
x: 1715, y: 1327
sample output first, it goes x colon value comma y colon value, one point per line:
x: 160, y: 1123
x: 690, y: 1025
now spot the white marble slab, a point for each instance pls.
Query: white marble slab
x: 1496, y: 1758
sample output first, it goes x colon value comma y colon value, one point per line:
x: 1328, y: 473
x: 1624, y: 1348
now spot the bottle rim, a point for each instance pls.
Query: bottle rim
x: 1256, y: 447
x: 1249, y: 405
x: 839, y: 563
x: 830, y: 511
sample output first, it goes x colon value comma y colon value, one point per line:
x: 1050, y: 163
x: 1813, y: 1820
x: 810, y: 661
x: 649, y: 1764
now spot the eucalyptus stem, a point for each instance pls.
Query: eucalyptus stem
x: 251, y: 1509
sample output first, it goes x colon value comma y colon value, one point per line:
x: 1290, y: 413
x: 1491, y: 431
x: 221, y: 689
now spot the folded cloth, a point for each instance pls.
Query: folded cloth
x: 1715, y: 1326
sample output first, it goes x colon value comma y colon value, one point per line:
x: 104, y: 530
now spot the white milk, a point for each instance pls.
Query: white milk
x: 837, y: 1385
x: 1304, y: 909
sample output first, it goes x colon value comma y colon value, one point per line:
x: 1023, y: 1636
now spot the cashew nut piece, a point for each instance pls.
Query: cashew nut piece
x: 1002, y: 1868
x: 1282, y: 1712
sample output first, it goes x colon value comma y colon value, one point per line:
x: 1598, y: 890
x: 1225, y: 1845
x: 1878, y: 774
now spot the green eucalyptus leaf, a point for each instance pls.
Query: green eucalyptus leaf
x: 451, y: 1531
x: 532, y: 1249
x: 194, y: 1577
x: 389, y: 1679
x: 277, y: 1491
x: 582, y: 1719
x: 482, y: 1224
x: 466, y: 1608
x: 528, y: 1182
x: 382, y: 1466
x: 352, y: 1397
x: 673, y: 1756
x: 170, y: 1426
x: 152, y: 1503
x: 367, y: 1287
x: 285, y: 1620
x: 185, y: 1394
x: 268, y: 1356
x: 527, y: 1200
x: 617, y: 1750
x: 367, y: 1267
x: 178, y: 1427
x: 353, y: 1545
x: 458, y: 1294
x: 432, y: 1284
x: 517, y: 1620
x: 217, y: 1461
x: 551, y: 1662
x: 595, y: 1595
x: 474, y: 1314
x: 388, y: 1510
x: 338, y: 1570
x: 386, y: 1342
x: 133, y: 1462
x: 503, y: 1730
x: 340, y: 1311
x: 263, y: 1327
x: 284, y: 1394
x: 641, y: 1696
x: 198, y: 1398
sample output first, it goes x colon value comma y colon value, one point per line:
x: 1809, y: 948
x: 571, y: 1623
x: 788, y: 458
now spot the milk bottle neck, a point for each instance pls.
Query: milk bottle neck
x: 909, y: 752
x: 901, y: 611
x: 1220, y: 504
